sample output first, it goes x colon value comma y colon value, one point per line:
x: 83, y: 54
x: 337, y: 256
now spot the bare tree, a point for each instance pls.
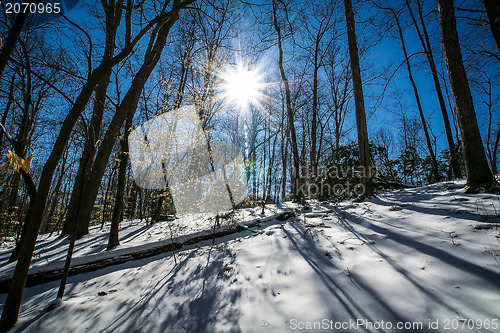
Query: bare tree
x: 478, y: 172
x: 485, y: 88
x: 122, y: 173
x: 363, y: 143
x: 93, y: 129
x: 10, y: 42
x: 128, y: 105
x: 426, y: 45
x: 435, y: 169
x: 33, y: 91
x: 37, y: 207
x: 297, y: 181
x: 339, y: 77
x: 317, y: 32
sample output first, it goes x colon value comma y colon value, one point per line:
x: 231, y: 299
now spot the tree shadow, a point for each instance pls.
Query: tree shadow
x: 196, y: 295
x: 315, y: 257
x: 464, y: 265
x: 347, y: 220
x: 465, y: 207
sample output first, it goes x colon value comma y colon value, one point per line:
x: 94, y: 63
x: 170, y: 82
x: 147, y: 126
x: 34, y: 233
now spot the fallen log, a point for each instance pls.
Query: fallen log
x: 54, y: 275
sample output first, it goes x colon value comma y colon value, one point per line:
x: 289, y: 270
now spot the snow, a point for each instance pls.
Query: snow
x: 405, y: 256
x: 135, y: 235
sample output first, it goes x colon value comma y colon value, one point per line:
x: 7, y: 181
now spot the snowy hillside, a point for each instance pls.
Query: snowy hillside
x: 428, y: 256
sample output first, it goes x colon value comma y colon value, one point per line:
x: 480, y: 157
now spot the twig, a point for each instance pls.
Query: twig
x: 172, y: 241
x: 452, y: 237
x: 350, y: 277
x: 491, y: 253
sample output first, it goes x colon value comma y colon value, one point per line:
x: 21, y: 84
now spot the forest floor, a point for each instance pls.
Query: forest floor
x: 425, y: 258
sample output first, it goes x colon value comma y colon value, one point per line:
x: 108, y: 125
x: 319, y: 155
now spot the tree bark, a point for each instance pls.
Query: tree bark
x: 88, y: 153
x: 128, y: 105
x: 493, y: 12
x: 426, y: 45
x: 122, y: 173
x: 363, y: 143
x: 132, y: 202
x: 110, y: 182
x: 495, y: 150
x: 478, y: 172
x: 297, y: 194
x: 54, y: 199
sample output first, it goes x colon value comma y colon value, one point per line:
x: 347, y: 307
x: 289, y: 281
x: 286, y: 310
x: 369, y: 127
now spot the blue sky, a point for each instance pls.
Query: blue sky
x: 385, y: 54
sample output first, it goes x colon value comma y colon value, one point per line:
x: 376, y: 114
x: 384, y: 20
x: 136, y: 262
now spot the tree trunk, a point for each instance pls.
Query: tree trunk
x: 426, y: 45
x: 297, y: 179
x: 132, y: 202
x: 314, y: 120
x: 157, y: 205
x: 493, y: 12
x: 495, y: 151
x: 89, y: 151
x: 435, y: 169
x: 284, y: 158
x: 478, y: 172
x: 37, y: 207
x: 363, y: 143
x: 111, y: 179
x: 128, y: 105
x: 122, y: 173
x: 54, y: 200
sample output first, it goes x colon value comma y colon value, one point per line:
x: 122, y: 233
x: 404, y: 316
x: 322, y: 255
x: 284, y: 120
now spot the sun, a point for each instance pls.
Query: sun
x: 242, y: 86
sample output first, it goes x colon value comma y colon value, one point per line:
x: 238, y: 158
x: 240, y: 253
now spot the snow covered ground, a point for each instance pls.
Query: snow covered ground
x: 135, y: 235
x: 425, y: 258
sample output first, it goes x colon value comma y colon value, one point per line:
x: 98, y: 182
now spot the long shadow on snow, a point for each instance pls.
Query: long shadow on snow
x: 410, y: 197
x: 58, y: 243
x: 131, y: 236
x: 344, y: 222
x: 345, y: 219
x: 317, y: 261
x: 437, y: 253
x: 207, y: 285
x: 205, y: 292
x: 62, y: 243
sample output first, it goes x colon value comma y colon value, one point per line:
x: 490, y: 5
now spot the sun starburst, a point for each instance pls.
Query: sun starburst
x: 242, y: 86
